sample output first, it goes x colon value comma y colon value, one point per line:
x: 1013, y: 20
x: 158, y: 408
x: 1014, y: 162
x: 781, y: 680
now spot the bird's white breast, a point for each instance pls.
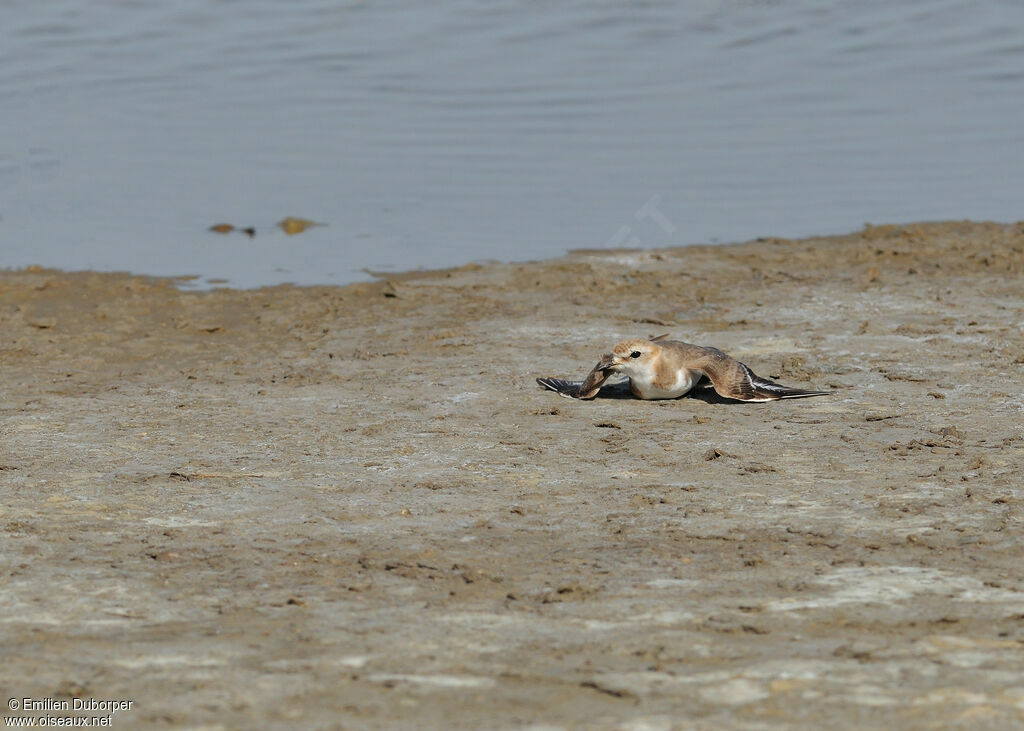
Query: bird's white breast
x: 643, y: 383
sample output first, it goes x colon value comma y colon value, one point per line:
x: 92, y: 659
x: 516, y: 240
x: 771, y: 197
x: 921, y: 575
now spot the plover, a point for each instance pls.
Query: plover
x: 663, y: 369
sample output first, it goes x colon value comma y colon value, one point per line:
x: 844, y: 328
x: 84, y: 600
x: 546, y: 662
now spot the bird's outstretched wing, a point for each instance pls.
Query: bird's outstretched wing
x: 586, y: 389
x: 569, y: 389
x: 733, y: 379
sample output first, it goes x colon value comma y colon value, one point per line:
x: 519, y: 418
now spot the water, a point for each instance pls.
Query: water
x: 430, y: 135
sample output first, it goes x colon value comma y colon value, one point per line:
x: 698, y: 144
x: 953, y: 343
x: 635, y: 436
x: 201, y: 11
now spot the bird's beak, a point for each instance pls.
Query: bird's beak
x: 607, y: 362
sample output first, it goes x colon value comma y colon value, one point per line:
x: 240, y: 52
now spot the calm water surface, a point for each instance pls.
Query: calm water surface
x: 430, y: 135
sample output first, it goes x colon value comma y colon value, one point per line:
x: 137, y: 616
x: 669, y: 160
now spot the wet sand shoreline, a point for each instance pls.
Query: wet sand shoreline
x: 353, y: 507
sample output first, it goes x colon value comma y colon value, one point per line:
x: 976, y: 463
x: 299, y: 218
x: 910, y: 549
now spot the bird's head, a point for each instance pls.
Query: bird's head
x: 631, y: 356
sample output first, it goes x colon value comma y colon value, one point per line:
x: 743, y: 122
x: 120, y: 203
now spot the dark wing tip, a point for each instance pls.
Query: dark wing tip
x: 560, y: 386
x: 771, y: 391
x: 799, y: 393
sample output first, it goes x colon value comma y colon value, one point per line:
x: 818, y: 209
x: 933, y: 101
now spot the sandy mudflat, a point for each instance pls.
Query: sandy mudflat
x: 352, y: 507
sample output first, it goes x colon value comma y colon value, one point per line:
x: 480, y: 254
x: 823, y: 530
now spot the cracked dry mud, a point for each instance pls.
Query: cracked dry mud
x: 353, y: 507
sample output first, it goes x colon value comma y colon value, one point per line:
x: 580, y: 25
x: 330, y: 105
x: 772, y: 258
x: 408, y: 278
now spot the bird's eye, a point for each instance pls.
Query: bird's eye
x: 635, y: 354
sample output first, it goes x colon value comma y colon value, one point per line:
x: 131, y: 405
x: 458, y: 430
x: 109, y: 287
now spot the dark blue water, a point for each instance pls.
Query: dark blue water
x: 433, y: 135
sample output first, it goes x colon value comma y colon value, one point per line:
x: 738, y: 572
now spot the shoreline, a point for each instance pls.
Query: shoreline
x: 324, y: 505
x: 215, y: 283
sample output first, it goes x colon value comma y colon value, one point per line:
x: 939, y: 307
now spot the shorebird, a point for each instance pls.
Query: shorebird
x: 662, y: 369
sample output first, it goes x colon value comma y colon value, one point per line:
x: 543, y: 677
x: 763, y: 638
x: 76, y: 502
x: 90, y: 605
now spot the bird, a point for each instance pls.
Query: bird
x: 666, y: 369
